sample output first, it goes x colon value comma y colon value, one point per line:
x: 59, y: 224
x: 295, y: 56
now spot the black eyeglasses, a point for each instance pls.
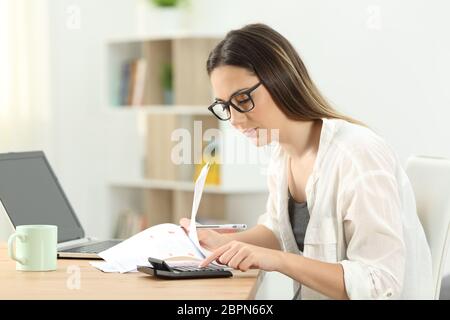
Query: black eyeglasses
x: 241, y: 101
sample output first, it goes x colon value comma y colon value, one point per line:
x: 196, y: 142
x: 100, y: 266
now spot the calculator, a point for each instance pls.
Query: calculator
x: 159, y: 268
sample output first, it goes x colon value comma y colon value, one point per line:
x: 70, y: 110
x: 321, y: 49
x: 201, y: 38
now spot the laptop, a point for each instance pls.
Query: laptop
x: 31, y: 194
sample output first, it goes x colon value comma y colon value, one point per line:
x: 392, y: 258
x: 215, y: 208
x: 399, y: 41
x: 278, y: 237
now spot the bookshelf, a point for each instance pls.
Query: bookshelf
x: 179, y: 185
x: 145, y: 186
x: 163, y: 109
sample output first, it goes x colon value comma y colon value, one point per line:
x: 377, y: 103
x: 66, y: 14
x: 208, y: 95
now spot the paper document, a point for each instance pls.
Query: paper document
x: 198, y: 191
x: 106, y: 267
x: 163, y: 241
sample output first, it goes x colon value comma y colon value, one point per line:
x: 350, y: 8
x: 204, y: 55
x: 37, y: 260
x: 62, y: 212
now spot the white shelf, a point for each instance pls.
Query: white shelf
x: 163, y: 36
x: 181, y: 186
x: 162, y: 109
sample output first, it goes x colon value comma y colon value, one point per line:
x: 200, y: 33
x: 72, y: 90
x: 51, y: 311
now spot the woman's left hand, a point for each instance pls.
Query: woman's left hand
x: 243, y: 256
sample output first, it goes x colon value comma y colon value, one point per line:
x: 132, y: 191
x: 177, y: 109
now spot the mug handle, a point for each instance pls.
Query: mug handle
x: 11, y: 250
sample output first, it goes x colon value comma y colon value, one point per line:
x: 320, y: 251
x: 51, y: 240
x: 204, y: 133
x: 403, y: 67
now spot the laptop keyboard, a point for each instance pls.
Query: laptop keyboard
x: 94, y: 248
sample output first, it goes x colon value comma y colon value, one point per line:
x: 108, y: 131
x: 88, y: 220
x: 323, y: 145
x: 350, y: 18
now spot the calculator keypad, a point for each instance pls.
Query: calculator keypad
x: 191, y: 268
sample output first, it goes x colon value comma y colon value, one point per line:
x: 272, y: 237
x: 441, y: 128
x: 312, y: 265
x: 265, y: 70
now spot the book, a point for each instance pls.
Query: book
x: 209, y: 155
x: 124, y: 83
x: 139, y: 82
x: 132, y: 82
x: 162, y: 241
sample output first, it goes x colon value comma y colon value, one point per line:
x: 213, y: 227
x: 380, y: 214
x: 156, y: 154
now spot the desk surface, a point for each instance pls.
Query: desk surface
x: 95, y: 284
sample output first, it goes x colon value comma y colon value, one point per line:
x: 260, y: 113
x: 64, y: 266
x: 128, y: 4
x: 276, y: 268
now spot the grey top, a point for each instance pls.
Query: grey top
x: 299, y: 217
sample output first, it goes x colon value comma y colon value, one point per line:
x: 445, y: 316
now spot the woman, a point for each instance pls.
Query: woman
x: 341, y: 218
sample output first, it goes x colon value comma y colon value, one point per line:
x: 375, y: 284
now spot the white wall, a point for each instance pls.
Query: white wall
x: 383, y: 62
x: 81, y: 140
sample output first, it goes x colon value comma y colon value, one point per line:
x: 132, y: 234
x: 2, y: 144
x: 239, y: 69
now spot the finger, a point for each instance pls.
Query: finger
x: 238, y: 258
x: 184, y: 222
x: 246, y: 264
x: 228, y: 255
x: 226, y: 231
x: 203, y: 235
x: 217, y: 253
x: 214, y: 255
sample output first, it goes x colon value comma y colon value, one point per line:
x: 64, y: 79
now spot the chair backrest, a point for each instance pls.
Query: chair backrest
x: 430, y: 180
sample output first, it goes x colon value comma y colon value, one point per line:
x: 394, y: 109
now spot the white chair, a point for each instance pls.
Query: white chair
x: 430, y: 180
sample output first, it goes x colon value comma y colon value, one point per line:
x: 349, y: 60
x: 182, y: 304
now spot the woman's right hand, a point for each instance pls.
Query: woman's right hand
x: 209, y: 239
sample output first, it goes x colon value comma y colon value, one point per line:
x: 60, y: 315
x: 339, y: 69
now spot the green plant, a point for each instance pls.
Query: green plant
x: 165, y: 3
x: 166, y: 76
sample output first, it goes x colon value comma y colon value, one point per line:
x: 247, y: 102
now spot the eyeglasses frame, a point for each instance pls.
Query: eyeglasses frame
x: 229, y: 103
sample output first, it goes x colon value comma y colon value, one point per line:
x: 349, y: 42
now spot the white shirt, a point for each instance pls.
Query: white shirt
x: 362, y: 215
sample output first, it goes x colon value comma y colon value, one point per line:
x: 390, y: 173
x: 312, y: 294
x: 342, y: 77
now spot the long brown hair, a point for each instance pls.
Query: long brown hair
x: 271, y: 57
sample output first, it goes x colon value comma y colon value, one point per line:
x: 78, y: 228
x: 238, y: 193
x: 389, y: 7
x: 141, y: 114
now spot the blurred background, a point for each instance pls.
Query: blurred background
x: 100, y: 85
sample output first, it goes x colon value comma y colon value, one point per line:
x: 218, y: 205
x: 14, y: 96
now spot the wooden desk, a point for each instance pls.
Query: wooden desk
x: 95, y: 284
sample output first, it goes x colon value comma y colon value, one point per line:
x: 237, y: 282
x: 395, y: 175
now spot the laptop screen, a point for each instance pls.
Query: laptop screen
x: 31, y: 194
